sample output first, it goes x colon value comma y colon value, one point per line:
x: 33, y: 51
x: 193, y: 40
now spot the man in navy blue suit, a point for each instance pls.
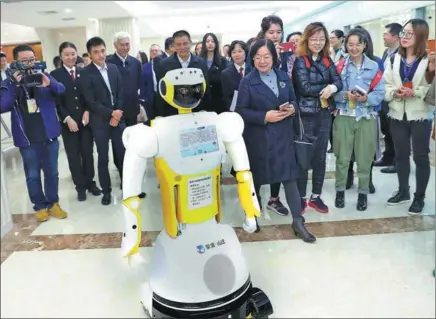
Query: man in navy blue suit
x: 131, y: 72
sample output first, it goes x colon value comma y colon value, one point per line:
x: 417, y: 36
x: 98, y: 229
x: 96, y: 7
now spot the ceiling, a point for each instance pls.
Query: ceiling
x: 50, y: 14
x: 157, y: 18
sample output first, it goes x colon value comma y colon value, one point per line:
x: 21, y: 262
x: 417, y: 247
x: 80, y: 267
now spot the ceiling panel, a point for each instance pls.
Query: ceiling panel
x: 57, y: 14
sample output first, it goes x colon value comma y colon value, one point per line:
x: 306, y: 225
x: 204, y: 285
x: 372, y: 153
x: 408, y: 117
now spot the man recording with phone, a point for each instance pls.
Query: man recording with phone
x: 30, y: 96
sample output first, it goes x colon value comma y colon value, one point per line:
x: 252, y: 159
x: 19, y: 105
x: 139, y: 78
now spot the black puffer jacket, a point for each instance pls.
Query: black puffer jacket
x: 309, y: 82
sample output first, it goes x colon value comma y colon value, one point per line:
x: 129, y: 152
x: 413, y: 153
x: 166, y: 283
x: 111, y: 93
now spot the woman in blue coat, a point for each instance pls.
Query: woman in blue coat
x: 266, y: 101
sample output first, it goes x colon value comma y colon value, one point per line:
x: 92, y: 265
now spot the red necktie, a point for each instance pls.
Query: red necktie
x: 72, y: 74
x: 241, y: 72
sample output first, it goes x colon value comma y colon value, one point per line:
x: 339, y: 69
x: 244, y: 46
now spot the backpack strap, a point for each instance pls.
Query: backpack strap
x: 326, y: 61
x: 340, y: 66
x: 375, y: 80
x: 392, y: 58
x: 307, y: 62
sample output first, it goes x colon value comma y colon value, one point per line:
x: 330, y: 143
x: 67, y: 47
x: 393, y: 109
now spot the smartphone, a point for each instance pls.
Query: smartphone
x: 358, y: 91
x: 288, y: 47
x: 284, y: 106
x: 431, y: 45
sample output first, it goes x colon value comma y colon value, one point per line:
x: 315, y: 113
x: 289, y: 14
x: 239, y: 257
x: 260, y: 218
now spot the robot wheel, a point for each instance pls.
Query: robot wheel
x: 258, y: 305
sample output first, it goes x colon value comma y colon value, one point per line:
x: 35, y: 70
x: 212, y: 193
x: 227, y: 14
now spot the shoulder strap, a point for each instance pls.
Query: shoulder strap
x: 307, y: 62
x: 340, y: 66
x: 392, y: 58
x: 326, y: 61
x: 375, y: 80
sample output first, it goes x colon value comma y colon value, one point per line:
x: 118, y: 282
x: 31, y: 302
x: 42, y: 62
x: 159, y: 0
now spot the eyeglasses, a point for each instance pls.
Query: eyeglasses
x: 31, y: 61
x: 259, y: 58
x: 406, y: 35
x: 313, y: 40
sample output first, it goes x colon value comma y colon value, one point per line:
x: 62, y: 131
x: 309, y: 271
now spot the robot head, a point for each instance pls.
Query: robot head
x: 183, y: 88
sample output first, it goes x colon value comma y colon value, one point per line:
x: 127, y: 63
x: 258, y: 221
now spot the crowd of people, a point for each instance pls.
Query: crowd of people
x: 331, y: 88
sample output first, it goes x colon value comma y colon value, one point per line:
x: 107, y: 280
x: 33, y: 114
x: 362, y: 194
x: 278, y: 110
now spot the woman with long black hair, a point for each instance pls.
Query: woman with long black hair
x: 210, y: 52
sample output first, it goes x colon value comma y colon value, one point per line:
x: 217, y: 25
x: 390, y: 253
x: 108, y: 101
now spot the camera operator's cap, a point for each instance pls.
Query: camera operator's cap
x: 183, y: 88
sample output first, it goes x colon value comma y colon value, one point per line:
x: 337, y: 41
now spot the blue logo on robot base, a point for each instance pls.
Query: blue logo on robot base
x: 201, y: 249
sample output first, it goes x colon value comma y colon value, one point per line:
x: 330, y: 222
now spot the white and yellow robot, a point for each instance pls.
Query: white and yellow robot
x: 198, y: 269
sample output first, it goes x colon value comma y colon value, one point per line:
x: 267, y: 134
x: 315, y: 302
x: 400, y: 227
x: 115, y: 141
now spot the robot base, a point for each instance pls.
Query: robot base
x: 246, y: 302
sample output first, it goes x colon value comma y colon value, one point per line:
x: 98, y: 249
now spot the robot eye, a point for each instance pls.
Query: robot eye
x: 183, y: 90
x: 197, y: 89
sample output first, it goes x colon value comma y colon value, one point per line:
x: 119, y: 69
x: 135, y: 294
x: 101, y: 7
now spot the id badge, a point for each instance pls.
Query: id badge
x: 408, y: 85
x: 32, y: 107
x: 351, y: 104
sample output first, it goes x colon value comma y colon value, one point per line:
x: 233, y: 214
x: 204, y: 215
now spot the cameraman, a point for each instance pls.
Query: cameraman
x: 35, y: 130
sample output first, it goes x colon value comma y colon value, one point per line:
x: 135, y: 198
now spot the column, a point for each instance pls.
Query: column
x: 49, y: 46
x: 6, y: 215
x: 109, y: 27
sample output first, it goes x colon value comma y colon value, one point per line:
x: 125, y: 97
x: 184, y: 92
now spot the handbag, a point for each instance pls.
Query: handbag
x: 304, y: 145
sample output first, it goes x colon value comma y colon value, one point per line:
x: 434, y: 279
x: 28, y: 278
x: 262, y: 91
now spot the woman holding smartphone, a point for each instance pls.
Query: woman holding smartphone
x: 266, y: 102
x: 406, y: 88
x: 355, y: 126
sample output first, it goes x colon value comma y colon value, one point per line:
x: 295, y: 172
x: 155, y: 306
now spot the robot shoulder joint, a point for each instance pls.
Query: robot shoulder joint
x: 141, y: 139
x: 230, y: 126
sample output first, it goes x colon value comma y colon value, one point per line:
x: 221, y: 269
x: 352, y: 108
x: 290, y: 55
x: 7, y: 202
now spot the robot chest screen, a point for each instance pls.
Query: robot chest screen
x: 198, y: 141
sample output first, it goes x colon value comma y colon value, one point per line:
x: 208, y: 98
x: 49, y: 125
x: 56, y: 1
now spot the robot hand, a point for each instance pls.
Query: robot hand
x: 247, y: 194
x: 250, y: 224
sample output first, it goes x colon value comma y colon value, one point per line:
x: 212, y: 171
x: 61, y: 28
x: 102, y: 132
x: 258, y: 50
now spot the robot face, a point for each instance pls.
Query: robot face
x: 188, y: 96
x: 183, y: 88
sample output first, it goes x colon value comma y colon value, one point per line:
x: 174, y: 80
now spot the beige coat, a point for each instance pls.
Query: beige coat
x: 415, y: 108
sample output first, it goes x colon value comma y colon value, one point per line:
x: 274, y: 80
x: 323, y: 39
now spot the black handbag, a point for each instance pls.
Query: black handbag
x: 304, y: 145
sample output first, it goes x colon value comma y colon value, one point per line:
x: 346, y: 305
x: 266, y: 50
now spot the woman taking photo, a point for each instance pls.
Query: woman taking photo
x: 406, y: 88
x: 266, y: 102
x: 355, y: 126
x: 210, y: 52
x: 316, y: 81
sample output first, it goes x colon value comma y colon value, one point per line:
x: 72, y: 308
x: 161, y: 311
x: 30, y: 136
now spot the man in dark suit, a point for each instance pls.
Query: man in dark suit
x: 76, y: 133
x: 131, y: 71
x: 391, y: 38
x: 102, y: 89
x: 182, y: 58
x: 169, y: 50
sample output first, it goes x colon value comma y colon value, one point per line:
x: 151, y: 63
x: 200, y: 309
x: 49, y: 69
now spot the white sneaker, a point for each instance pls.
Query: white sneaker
x: 249, y: 225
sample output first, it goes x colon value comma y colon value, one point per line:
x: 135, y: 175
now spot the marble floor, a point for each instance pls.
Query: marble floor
x: 374, y: 264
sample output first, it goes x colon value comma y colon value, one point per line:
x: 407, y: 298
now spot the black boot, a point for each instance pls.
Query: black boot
x: 301, y: 231
x: 340, y: 199
x: 362, y: 202
x: 417, y: 205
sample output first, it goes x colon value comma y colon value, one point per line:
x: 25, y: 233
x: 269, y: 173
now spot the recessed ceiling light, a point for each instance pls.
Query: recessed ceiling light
x: 67, y: 10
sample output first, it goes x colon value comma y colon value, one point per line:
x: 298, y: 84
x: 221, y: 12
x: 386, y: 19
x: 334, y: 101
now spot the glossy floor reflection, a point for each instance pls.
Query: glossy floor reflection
x: 91, y: 217
x: 375, y: 276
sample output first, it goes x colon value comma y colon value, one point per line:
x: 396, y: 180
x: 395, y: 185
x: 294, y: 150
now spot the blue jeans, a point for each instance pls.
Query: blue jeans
x: 36, y: 157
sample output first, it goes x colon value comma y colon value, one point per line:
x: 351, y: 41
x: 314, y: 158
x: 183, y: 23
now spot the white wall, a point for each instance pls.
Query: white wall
x: 6, y: 216
x: 14, y: 33
x: 145, y: 43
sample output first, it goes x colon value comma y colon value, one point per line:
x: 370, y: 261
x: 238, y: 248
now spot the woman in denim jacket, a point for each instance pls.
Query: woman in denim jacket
x: 355, y: 124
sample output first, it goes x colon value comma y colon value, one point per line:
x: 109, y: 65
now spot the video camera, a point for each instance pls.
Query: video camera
x: 31, y: 74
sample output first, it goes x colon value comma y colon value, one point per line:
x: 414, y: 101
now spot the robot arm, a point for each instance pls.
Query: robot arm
x: 141, y: 143
x: 230, y: 127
